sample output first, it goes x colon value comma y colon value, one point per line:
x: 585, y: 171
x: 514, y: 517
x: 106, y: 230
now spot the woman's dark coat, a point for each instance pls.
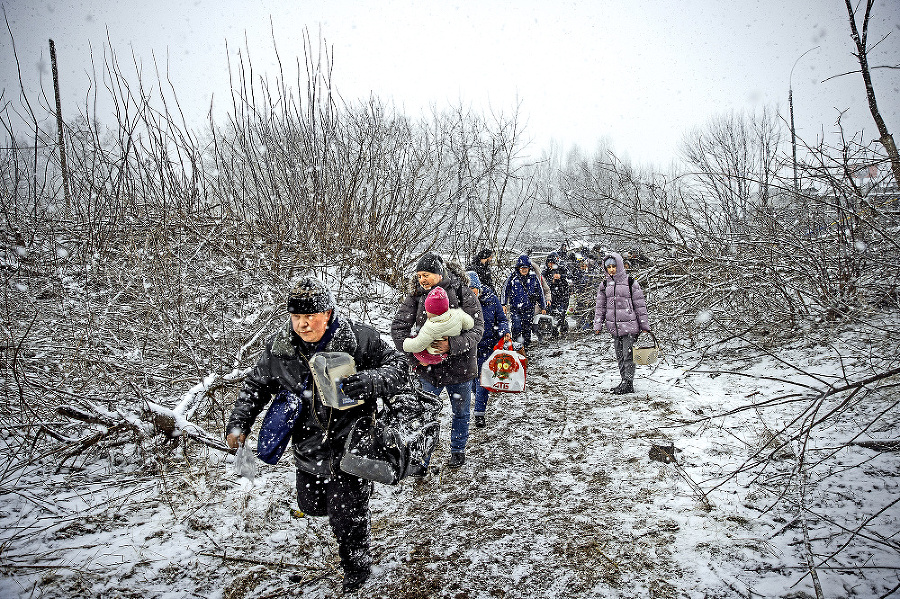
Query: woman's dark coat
x: 483, y: 270
x: 461, y: 365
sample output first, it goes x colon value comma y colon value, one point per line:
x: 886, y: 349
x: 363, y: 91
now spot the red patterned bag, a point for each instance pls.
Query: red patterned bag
x: 504, y: 370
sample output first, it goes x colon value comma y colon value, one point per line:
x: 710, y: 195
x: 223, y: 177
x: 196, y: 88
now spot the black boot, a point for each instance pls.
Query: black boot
x: 624, y: 387
x: 478, y: 421
x: 356, y: 560
x: 355, y: 578
x: 457, y: 459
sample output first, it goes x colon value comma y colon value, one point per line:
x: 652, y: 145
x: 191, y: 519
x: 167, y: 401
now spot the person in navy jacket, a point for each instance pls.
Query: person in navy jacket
x: 496, y: 327
x: 521, y: 292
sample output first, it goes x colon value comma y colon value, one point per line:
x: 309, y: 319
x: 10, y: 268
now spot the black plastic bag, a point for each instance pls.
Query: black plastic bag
x: 397, y: 442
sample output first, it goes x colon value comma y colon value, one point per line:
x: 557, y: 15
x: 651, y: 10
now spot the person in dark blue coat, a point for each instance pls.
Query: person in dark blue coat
x: 496, y: 327
x: 521, y: 292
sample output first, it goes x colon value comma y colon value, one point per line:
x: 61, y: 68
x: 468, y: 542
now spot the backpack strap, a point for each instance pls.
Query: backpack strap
x: 631, y: 291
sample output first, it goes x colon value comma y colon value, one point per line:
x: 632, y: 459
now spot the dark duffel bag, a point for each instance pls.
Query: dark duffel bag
x: 395, y: 443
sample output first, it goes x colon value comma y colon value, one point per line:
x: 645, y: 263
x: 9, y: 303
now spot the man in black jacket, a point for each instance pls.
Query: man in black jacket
x: 482, y: 267
x: 320, y: 431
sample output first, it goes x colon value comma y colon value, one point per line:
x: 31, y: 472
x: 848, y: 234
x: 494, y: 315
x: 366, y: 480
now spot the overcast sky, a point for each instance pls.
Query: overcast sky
x: 639, y: 73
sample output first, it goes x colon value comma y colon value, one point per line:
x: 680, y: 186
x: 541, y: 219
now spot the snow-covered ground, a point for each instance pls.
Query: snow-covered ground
x: 558, y: 498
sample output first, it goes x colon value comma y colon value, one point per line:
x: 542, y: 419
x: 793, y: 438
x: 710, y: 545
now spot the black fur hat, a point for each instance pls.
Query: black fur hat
x: 309, y: 296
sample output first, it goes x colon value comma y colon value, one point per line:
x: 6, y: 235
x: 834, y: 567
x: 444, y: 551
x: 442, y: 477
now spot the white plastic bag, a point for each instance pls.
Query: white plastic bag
x: 244, y: 462
x: 504, y: 370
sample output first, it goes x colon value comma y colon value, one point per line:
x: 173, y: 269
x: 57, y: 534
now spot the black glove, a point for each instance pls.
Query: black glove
x: 361, y: 386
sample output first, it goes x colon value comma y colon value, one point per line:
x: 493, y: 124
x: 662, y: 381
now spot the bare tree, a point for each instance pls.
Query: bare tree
x: 862, y: 55
x: 493, y: 189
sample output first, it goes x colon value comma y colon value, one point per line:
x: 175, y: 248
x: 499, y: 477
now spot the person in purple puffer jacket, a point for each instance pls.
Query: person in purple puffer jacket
x: 621, y: 306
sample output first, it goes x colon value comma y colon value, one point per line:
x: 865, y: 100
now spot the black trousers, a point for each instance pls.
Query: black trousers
x: 345, y: 500
x: 623, y: 346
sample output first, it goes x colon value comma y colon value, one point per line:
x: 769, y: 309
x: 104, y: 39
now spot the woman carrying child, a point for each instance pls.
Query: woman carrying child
x: 456, y: 371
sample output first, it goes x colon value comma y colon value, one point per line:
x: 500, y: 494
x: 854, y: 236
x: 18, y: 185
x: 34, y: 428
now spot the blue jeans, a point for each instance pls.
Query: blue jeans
x: 481, y: 394
x: 460, y: 398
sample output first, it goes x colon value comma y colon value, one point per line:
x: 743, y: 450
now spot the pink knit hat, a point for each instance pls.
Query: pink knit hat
x: 437, y: 301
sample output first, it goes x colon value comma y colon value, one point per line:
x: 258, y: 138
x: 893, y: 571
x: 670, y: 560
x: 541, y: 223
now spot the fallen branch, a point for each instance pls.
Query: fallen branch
x: 155, y: 419
x: 810, y: 556
x: 701, y: 495
x: 250, y: 560
x: 885, y: 445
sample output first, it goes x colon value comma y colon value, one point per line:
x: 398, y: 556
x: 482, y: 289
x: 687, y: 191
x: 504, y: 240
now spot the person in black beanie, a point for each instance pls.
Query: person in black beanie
x: 456, y: 372
x: 319, y: 431
x: 482, y: 267
x: 431, y: 263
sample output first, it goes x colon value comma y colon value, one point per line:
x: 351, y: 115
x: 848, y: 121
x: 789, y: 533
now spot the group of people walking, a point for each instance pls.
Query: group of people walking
x: 444, y: 329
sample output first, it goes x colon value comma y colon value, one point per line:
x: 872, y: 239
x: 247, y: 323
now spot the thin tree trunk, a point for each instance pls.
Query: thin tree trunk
x: 886, y: 139
x: 59, y: 125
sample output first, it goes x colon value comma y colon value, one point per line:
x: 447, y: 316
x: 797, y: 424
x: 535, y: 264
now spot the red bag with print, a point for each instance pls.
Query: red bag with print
x: 504, y: 370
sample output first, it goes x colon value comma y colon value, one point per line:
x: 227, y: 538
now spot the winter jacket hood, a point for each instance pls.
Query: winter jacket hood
x: 620, y: 275
x: 474, y: 280
x: 523, y: 260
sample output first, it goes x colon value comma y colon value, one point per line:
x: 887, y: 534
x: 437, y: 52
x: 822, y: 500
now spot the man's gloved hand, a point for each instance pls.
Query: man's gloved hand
x: 361, y: 386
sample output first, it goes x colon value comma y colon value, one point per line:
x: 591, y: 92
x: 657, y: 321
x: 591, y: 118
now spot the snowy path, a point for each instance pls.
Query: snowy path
x: 558, y: 499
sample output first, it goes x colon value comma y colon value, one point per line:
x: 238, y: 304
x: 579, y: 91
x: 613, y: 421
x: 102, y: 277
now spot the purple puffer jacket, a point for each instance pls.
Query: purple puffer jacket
x: 623, y: 310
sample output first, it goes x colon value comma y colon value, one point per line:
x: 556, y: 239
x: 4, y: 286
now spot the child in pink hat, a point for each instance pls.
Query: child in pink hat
x: 442, y: 322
